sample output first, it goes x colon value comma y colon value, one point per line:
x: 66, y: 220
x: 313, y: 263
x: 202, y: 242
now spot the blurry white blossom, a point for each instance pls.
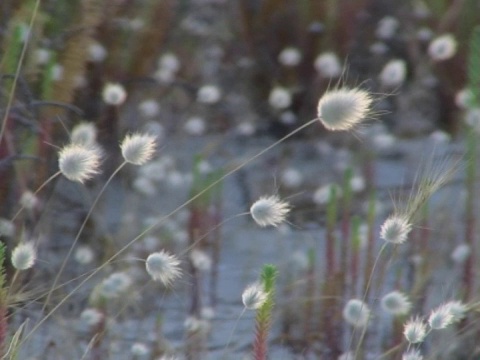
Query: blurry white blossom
x: 393, y: 73
x: 442, y: 47
x: 280, y: 98
x: 328, y: 65
x: 290, y: 56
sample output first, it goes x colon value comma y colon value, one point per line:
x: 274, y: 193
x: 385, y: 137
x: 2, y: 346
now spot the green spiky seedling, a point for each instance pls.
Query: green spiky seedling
x: 263, y: 318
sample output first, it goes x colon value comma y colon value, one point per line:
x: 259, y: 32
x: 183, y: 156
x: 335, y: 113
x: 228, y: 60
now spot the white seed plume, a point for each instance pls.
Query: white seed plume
x: 395, y: 229
x: 328, y: 65
x: 91, y: 317
x: 29, y: 200
x: 457, y: 309
x: 342, y: 109
x: 140, y: 350
x: 78, y: 162
x: 200, y: 260
x: 461, y: 253
x: 442, y: 47
x: 163, y: 266
x: 254, y: 296
x: 280, y: 98
x: 7, y: 228
x: 149, y: 108
x: 97, y: 52
x: 440, y: 317
x: 356, y: 313
x: 137, y: 149
x: 24, y: 256
x: 415, y: 331
x: 195, y: 126
x: 209, y: 94
x: 269, y: 211
x: 412, y: 355
x: 393, y: 73
x: 290, y: 56
x: 396, y: 303
x: 114, y: 94
x: 387, y: 27
x: 115, y: 285
x: 84, y: 134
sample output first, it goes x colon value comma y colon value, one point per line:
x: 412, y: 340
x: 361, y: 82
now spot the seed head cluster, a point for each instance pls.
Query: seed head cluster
x: 396, y: 303
x: 395, y: 229
x: 163, y: 266
x: 269, y: 211
x: 415, y: 331
x: 344, y: 108
x: 79, y: 163
x: 254, y: 296
x: 356, y: 313
x: 24, y: 256
x: 137, y: 149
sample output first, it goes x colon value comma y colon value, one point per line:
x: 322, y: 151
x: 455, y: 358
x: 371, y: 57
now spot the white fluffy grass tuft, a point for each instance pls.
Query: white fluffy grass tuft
x: 342, y: 109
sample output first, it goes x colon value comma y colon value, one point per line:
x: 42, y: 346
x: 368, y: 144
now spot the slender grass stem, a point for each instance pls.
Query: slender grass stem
x: 77, y: 237
x: 19, y: 67
x: 160, y: 221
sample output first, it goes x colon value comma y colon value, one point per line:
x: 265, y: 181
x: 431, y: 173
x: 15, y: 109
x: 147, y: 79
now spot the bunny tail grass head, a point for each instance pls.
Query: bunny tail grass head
x: 164, y: 267
x: 254, y: 296
x: 79, y: 163
x: 137, y: 149
x: 415, y: 331
x: 24, y: 256
x: 269, y: 211
x: 344, y: 108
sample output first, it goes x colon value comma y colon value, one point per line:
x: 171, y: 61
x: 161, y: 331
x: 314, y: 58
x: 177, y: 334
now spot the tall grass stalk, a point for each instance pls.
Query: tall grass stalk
x: 161, y: 221
x: 18, y: 69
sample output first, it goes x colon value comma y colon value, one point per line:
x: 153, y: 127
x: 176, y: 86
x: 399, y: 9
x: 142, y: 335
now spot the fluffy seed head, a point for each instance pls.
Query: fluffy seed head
x: 200, y: 260
x: 396, y: 303
x: 209, y: 94
x: 342, y: 109
x: 356, y: 313
x: 114, y: 94
x: 290, y: 56
x: 78, y: 162
x: 140, y: 350
x: 412, y: 355
x: 415, y: 331
x: 280, y: 98
x: 440, y: 317
x: 84, y: 134
x: 393, y: 73
x: 442, y: 47
x: 91, y: 317
x: 137, y: 149
x: 163, y: 266
x: 115, y: 285
x: 328, y: 65
x: 457, y: 309
x: 24, y: 256
x: 29, y: 200
x: 461, y: 253
x: 254, y: 296
x: 395, y: 229
x: 269, y: 210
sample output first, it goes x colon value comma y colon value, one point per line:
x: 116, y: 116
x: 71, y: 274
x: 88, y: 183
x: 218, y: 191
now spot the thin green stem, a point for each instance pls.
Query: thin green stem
x: 17, y: 71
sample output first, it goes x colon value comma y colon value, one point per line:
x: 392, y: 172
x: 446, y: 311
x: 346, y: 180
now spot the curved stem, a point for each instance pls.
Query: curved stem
x: 161, y: 220
x: 77, y: 237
